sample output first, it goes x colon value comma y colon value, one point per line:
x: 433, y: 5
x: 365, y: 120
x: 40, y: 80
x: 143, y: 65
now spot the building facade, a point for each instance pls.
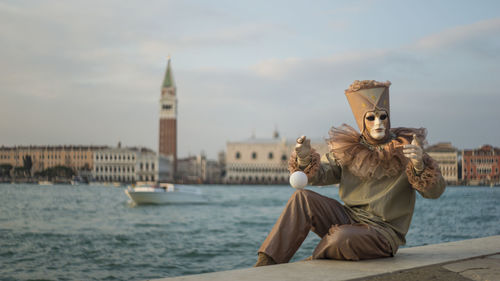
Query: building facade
x: 125, y: 165
x: 199, y: 169
x: 77, y: 157
x: 262, y: 161
x: 168, y: 118
x: 481, y: 166
x: 447, y: 157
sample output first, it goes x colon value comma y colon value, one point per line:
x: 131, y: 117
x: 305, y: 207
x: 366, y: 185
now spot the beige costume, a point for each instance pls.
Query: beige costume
x: 376, y: 181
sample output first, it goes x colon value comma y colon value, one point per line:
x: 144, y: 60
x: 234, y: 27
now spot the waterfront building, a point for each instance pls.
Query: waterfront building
x: 165, y: 168
x: 198, y: 169
x: 262, y: 161
x: 126, y: 165
x: 481, y: 166
x: 447, y: 158
x: 191, y: 169
x: 77, y: 157
x: 168, y: 119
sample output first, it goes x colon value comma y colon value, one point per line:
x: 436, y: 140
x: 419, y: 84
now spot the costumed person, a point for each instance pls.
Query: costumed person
x: 378, y: 171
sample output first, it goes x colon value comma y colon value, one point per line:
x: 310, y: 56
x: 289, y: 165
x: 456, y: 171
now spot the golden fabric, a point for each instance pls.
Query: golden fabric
x: 376, y: 184
x: 342, y: 238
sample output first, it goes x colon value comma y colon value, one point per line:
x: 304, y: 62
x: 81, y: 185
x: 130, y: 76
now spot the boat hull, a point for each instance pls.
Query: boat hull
x: 163, y: 197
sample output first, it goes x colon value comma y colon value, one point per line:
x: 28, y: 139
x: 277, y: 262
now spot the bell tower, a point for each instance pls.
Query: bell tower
x: 168, y: 118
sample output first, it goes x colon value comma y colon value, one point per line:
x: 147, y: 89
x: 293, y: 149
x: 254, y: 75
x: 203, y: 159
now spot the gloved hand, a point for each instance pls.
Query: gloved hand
x: 414, y: 152
x: 303, y: 150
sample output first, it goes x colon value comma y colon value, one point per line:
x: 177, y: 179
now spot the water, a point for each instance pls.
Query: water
x: 93, y: 233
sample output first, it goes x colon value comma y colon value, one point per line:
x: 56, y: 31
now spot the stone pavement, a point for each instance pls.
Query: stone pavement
x: 474, y: 259
x: 478, y: 269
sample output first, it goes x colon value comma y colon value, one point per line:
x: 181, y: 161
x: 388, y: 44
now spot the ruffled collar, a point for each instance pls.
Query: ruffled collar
x: 368, y: 161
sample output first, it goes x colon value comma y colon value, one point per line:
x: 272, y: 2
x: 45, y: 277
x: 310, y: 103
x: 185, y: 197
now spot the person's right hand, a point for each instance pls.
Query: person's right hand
x: 303, y: 150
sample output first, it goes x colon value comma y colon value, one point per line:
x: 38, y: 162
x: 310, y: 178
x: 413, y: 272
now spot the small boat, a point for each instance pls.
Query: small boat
x: 76, y: 180
x: 45, y: 183
x: 164, y: 194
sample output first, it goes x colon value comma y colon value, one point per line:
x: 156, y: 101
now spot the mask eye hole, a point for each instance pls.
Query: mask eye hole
x: 383, y: 117
x: 370, y: 118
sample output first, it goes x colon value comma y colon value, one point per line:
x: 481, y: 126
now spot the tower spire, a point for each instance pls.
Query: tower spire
x: 168, y: 80
x: 168, y: 123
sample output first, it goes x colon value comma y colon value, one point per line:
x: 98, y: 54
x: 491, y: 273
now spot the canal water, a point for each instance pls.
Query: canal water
x: 64, y: 232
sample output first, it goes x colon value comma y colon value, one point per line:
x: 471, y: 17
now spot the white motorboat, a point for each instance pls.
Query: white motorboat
x: 165, y: 194
x: 45, y: 183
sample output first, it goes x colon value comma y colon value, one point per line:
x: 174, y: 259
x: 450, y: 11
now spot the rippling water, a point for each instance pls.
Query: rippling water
x: 65, y: 232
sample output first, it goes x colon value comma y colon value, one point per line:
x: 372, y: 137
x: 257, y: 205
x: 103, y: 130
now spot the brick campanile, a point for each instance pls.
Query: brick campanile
x: 168, y: 118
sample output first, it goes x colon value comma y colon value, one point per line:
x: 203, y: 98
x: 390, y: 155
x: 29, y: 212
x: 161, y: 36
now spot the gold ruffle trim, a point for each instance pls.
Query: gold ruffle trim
x: 427, y: 178
x: 371, y: 161
x: 367, y: 84
x: 311, y: 169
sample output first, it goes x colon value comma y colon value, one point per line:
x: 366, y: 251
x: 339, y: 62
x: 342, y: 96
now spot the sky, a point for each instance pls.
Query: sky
x: 90, y: 72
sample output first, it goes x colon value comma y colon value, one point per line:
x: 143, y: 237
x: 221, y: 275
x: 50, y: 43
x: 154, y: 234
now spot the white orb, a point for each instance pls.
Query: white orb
x: 298, y: 180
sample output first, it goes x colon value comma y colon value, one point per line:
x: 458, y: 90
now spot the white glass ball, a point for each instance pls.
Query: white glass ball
x: 298, y: 179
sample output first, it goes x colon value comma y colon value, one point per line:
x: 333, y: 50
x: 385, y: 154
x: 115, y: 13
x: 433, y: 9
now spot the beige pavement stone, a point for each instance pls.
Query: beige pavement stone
x: 494, y: 257
x: 482, y: 269
x: 406, y: 259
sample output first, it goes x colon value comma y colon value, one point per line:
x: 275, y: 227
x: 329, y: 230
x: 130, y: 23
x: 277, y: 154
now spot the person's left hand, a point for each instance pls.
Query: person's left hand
x: 414, y: 152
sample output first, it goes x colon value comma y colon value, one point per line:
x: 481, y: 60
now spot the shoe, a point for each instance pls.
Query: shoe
x: 263, y: 260
x: 310, y: 258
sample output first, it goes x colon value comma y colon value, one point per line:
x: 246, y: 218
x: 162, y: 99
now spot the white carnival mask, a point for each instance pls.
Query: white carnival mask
x: 376, y: 123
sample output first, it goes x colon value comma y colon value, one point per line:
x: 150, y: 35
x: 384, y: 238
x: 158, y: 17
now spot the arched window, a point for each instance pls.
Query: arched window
x: 283, y: 157
x: 254, y: 155
x: 238, y: 155
x: 270, y: 155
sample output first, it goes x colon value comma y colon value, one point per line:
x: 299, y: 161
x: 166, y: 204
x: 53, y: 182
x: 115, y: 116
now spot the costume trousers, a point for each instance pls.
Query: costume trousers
x: 342, y: 238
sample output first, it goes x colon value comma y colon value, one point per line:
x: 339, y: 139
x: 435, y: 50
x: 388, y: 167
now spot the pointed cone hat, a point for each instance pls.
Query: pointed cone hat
x: 374, y: 97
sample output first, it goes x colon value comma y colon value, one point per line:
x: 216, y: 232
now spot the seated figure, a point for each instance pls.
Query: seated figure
x: 379, y: 170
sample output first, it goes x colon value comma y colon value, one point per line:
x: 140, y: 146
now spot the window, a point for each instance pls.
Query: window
x: 238, y: 155
x: 254, y: 155
x: 270, y: 155
x: 283, y: 157
x: 167, y: 106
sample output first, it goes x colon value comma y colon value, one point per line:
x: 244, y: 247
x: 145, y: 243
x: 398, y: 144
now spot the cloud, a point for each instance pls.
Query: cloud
x: 461, y: 35
x: 251, y: 33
